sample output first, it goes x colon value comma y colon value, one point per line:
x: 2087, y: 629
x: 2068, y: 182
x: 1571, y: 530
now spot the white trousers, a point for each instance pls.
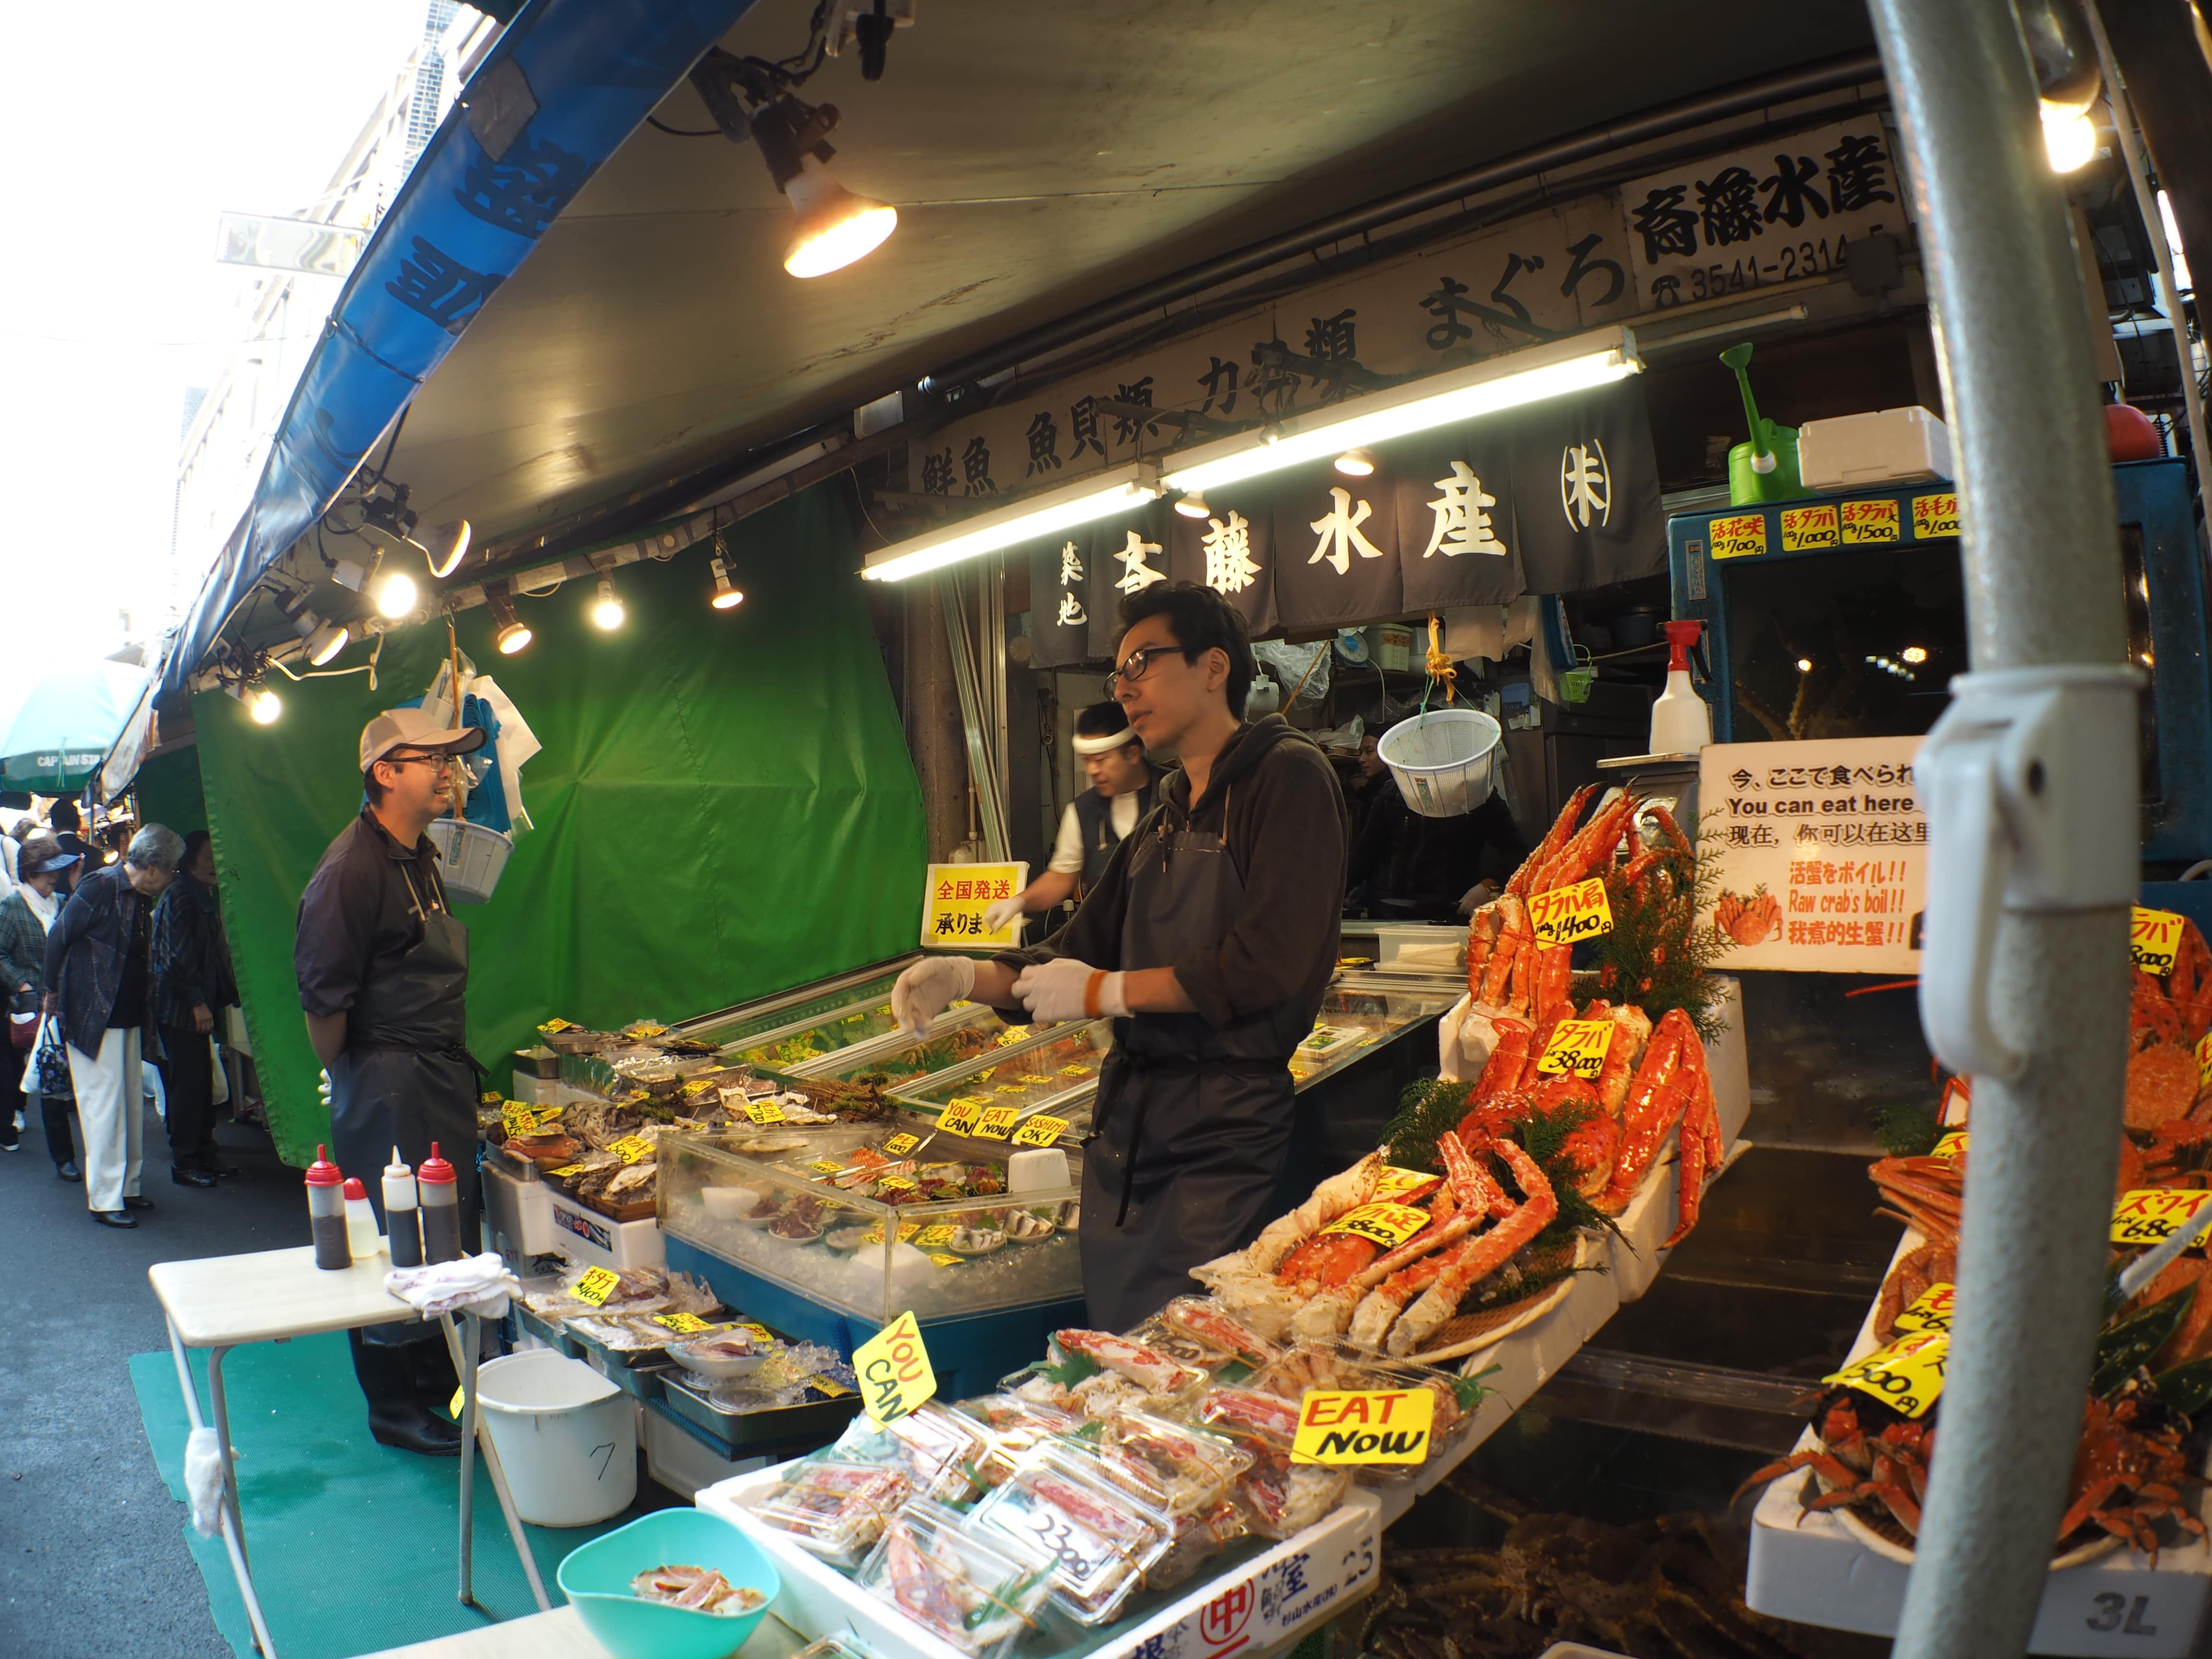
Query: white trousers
x: 111, y: 1110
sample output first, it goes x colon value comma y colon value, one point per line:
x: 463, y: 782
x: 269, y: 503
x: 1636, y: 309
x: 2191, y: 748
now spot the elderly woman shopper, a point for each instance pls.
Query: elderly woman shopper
x: 26, y: 915
x: 193, y: 984
x: 99, y: 985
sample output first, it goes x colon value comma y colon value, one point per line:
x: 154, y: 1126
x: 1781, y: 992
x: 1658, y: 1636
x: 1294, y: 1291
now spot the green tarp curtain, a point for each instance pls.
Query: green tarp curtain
x: 725, y: 804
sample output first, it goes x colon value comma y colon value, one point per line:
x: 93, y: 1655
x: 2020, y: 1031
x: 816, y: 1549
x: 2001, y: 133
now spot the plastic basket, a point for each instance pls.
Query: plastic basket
x: 1445, y: 760
x: 471, y: 858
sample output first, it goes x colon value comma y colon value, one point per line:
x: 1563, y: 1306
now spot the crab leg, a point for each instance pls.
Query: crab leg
x: 1630, y: 1040
x: 1472, y: 1187
x: 1481, y: 939
x: 1587, y: 850
x: 1554, y: 980
x: 1507, y: 1058
x: 1498, y: 966
x: 1654, y: 1100
x: 1691, y: 1157
x: 1554, y: 839
x: 1478, y: 1257
x: 1334, y: 1197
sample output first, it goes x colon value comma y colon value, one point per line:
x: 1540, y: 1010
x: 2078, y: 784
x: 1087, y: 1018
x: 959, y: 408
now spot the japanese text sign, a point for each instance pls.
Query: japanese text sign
x: 2151, y: 1215
x: 1950, y: 1146
x: 1577, y: 1048
x: 630, y: 1149
x: 900, y: 1145
x: 1907, y: 1376
x: 596, y: 1287
x: 1339, y: 1426
x: 894, y: 1370
x: 955, y: 897
x: 1823, y: 852
x: 1394, y: 1184
x: 2152, y: 937
x: 1930, y: 1309
x: 1567, y: 913
x: 1387, y: 1224
x: 1739, y: 536
x: 683, y: 1324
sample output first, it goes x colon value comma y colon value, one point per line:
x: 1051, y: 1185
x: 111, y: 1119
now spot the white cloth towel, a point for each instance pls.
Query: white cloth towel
x: 203, y: 1481
x: 479, y: 1284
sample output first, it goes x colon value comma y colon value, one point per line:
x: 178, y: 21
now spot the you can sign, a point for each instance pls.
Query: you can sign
x: 894, y: 1370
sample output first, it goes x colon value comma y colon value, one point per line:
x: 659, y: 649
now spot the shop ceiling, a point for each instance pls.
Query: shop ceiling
x: 1043, y: 158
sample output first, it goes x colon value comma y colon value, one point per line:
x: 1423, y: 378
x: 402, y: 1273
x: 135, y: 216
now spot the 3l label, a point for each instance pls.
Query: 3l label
x: 894, y: 1370
x: 1342, y: 1426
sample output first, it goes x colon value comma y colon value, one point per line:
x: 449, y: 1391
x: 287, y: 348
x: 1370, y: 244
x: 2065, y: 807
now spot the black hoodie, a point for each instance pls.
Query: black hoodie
x: 1289, y: 834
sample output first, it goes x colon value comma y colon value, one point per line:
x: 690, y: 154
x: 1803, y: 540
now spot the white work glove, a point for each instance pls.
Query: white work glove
x: 323, y: 1088
x: 928, y: 989
x: 1055, y: 991
x: 204, y: 1480
x: 1001, y: 912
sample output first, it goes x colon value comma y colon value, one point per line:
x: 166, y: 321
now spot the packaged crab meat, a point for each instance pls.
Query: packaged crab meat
x: 1191, y: 1468
x: 938, y: 1447
x: 1102, y: 1540
x: 1013, y: 1428
x: 1197, y: 1538
x: 1279, y: 1499
x: 1325, y: 1363
x: 1156, y: 1373
x: 836, y: 1511
x: 979, y: 1590
x: 1205, y: 1320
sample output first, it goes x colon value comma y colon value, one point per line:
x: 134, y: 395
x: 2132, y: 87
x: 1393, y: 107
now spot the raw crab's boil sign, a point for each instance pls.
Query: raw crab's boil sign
x: 1907, y: 1376
x: 1577, y: 1048
x: 2151, y: 1215
x: 1822, y: 853
x: 956, y: 896
x: 1339, y: 1426
x: 894, y: 1370
x: 1567, y: 913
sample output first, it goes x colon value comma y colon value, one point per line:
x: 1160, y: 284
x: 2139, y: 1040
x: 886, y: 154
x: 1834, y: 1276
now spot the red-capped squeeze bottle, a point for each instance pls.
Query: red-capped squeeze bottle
x: 326, y: 1212
x: 441, y: 1208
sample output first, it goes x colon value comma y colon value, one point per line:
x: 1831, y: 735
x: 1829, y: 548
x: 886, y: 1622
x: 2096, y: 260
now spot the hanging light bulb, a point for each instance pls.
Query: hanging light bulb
x: 396, y: 595
x: 607, y: 609
x: 1192, y: 505
x: 2070, y: 137
x: 265, y: 706
x: 1356, y: 462
x: 323, y: 640
x: 836, y: 227
x: 509, y: 629
x: 726, y: 596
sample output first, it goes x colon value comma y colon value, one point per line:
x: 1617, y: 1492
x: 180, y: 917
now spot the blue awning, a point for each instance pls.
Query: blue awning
x: 567, y: 83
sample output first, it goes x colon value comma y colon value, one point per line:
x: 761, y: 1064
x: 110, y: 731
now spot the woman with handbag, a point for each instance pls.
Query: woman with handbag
x: 26, y: 916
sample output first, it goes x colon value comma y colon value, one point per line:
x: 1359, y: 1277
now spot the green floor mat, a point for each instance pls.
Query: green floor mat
x: 354, y: 1546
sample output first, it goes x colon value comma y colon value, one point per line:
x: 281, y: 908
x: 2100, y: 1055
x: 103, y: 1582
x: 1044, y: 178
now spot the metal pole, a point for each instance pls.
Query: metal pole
x: 2043, y: 589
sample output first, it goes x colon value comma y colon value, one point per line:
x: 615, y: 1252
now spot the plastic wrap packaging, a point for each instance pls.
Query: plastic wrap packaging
x: 1101, y: 1537
x: 1331, y: 1365
x: 1203, y: 1321
x: 938, y: 1449
x: 836, y: 1511
x: 1015, y: 1427
x: 1279, y: 1499
x: 981, y: 1591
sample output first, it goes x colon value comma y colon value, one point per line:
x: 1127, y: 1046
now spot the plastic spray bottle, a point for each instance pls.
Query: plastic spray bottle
x: 401, y: 1231
x: 442, y: 1210
x: 326, y: 1213
x: 1680, y: 722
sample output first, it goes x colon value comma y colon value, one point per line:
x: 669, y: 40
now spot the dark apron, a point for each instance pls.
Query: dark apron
x: 1192, y: 1124
x: 405, y: 1077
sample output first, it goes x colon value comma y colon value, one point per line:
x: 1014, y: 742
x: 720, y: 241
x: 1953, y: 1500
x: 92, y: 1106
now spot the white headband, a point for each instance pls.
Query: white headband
x: 1119, y: 740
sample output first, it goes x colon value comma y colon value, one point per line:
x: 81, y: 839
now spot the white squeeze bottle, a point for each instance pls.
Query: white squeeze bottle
x: 1680, y: 722
x: 399, y: 1224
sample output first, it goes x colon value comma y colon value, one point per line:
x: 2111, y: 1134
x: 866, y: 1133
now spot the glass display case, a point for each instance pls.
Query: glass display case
x: 851, y: 1219
x: 965, y: 1032
x: 1360, y: 1014
x: 834, y: 1013
x: 1054, y: 1073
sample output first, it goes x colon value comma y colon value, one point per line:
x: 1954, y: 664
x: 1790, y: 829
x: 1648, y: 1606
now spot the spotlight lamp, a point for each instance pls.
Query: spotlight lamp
x: 263, y: 705
x: 322, y: 640
x: 607, y: 609
x: 1356, y: 462
x: 386, y: 516
x: 396, y: 595
x: 509, y: 629
x: 1192, y: 505
x: 726, y: 597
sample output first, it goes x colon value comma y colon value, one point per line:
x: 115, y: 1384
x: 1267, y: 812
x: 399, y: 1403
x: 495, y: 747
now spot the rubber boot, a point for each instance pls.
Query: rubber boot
x: 396, y: 1417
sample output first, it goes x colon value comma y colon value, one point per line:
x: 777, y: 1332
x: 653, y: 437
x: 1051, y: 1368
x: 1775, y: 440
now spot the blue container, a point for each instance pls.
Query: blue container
x: 596, y: 1579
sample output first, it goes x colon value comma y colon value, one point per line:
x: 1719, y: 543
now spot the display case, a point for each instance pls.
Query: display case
x: 1360, y: 1014
x: 962, y: 1034
x: 811, y: 1020
x: 1054, y: 1073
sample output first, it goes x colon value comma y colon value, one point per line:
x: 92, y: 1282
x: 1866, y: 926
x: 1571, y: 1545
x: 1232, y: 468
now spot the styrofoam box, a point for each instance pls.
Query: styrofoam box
x: 1809, y: 1568
x: 1650, y: 1217
x: 597, y: 1241
x: 680, y: 1460
x: 521, y: 1210
x: 536, y: 1091
x: 1863, y: 452
x: 1261, y: 1607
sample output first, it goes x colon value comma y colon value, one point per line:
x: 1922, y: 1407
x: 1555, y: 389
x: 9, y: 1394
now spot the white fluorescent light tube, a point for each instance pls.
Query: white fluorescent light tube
x: 1550, y: 370
x: 1085, y: 501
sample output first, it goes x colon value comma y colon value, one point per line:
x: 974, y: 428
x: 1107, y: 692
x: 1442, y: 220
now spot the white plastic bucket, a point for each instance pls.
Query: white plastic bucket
x: 471, y: 858
x: 567, y: 1437
x: 1445, y: 760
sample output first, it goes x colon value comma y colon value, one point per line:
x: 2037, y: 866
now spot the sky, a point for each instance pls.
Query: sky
x: 129, y: 127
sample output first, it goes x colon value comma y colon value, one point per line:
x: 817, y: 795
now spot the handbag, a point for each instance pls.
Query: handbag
x: 53, y: 1067
x: 22, y: 1019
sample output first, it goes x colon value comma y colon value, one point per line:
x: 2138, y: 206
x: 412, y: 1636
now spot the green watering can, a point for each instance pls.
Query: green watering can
x: 1764, y: 469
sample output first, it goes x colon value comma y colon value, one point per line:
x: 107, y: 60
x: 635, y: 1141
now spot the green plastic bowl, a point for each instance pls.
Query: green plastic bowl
x: 595, y: 1578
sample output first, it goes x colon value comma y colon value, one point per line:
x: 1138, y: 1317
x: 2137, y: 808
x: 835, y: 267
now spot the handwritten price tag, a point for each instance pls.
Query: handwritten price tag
x: 895, y: 1184
x: 1397, y: 1185
x: 1341, y: 1426
x: 894, y: 1370
x: 1952, y: 1147
x: 1040, y: 1131
x: 1578, y: 1047
x: 998, y: 1122
x: 1073, y: 1070
x: 1808, y: 526
x: 961, y: 1116
x: 1388, y: 1225
x: 828, y: 1385
x: 1907, y: 1376
x: 2205, y: 1061
x: 683, y: 1324
x: 1567, y: 913
x: 699, y: 1085
x: 2152, y: 937
x: 631, y: 1148
x: 764, y: 1111
x: 555, y: 1027
x: 931, y: 1238
x: 1869, y: 521
x: 1009, y: 1089
x: 567, y: 1169
x: 548, y: 1117
x: 945, y: 1261
x: 520, y: 1120
x: 1930, y: 1310
x: 1934, y: 515
x: 900, y: 1146
x: 596, y: 1287
x: 2150, y: 1215
x: 1741, y: 537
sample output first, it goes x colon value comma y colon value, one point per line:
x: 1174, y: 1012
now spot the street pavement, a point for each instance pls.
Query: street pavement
x: 92, y: 1552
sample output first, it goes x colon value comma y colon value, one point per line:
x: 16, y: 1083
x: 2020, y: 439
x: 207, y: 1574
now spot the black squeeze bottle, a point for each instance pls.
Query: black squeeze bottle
x: 326, y: 1212
x: 442, y: 1210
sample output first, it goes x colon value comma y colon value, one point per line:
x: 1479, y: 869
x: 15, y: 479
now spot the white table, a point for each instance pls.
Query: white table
x: 221, y: 1302
x: 559, y: 1634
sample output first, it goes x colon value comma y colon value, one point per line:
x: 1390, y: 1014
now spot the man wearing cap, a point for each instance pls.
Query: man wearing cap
x: 1096, y: 822
x: 384, y: 971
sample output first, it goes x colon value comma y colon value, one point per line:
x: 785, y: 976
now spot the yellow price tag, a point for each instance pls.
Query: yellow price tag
x: 2150, y: 1215
x: 683, y: 1324
x: 826, y: 1166
x: 961, y: 1116
x: 1566, y: 914
x: 760, y: 1331
x: 548, y: 1117
x: 895, y: 1184
x: 828, y: 1385
x: 764, y: 1111
x: 1074, y: 1070
x: 555, y: 1027
x: 519, y: 1119
x: 1809, y: 526
x: 567, y: 1169
x: 2153, y: 936
x: 1040, y: 1131
x: 1934, y: 515
x: 2205, y: 1061
x: 1577, y: 1048
x: 1869, y: 521
x: 596, y: 1287
x: 998, y: 1122
x: 1952, y: 1147
x: 930, y: 1238
x: 631, y: 1148
x: 1907, y: 1376
x: 894, y: 1370
x: 944, y: 1261
x: 1012, y: 1035
x: 1388, y: 1225
x: 1930, y: 1309
x: 1009, y: 1089
x: 644, y: 1029
x: 1395, y: 1183
x: 1341, y: 1426
x: 453, y: 1406
x: 1741, y: 536
x: 900, y: 1146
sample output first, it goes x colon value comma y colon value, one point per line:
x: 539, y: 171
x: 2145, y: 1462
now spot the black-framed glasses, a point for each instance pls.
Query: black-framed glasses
x: 1139, y: 663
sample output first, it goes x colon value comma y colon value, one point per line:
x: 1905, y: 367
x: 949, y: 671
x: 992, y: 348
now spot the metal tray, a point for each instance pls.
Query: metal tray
x: 793, y: 1430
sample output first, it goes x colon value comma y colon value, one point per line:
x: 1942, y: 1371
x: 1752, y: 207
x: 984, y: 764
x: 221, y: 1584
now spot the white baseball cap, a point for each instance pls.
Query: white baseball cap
x: 412, y: 728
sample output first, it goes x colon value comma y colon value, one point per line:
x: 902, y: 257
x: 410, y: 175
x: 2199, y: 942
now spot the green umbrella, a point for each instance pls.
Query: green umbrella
x: 56, y: 738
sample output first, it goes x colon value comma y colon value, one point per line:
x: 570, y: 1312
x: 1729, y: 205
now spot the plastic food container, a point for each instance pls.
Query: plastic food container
x: 596, y: 1578
x: 981, y: 1592
x: 836, y: 1511
x: 1101, y: 1537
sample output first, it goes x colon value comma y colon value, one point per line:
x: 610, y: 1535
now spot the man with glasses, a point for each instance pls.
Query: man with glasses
x: 384, y: 971
x: 1209, y: 941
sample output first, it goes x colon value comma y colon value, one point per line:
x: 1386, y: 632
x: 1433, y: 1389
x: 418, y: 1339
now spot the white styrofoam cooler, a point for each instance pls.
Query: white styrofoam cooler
x: 678, y: 1460
x: 1882, y: 446
x: 521, y: 1210
x: 1261, y: 1607
x: 597, y: 1241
